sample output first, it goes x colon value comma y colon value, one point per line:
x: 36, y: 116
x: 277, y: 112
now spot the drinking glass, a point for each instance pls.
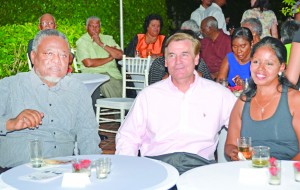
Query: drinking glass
x: 297, y: 171
x: 275, y: 173
x: 224, y: 82
x: 260, y: 156
x: 102, y: 168
x: 244, y: 146
x: 36, y: 153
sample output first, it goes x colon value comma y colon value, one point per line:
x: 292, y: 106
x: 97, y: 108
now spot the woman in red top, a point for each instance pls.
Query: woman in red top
x: 149, y: 43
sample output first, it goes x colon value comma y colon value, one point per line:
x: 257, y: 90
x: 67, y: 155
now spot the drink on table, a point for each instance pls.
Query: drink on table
x: 260, y: 156
x: 244, y: 146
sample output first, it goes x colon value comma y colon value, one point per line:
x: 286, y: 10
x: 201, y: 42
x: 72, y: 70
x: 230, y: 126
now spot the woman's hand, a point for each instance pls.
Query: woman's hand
x: 232, y: 152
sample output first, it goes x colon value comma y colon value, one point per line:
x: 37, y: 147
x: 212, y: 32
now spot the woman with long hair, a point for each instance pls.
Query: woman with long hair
x: 268, y: 111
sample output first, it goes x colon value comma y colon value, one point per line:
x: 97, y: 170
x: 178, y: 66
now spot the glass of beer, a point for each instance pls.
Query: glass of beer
x: 244, y: 146
x: 260, y: 156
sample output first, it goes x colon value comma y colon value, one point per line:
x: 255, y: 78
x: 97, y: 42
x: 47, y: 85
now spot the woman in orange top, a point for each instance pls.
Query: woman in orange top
x: 149, y: 43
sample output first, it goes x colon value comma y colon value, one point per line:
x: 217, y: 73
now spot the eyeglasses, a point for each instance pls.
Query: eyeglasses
x: 45, y: 23
x: 50, y: 55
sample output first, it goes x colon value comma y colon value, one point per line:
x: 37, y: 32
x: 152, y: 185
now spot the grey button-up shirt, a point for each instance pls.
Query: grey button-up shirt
x: 68, y: 113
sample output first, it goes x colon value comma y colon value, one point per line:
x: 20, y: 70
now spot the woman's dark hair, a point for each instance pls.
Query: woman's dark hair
x: 287, y: 31
x: 262, y: 5
x: 281, y: 54
x: 242, y: 32
x: 151, y: 17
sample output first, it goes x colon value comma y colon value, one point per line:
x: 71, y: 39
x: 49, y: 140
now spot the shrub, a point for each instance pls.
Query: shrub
x: 19, y: 20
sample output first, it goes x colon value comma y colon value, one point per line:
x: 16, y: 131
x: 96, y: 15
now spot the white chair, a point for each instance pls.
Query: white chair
x: 108, y: 106
x: 75, y: 61
x: 29, y: 62
x: 220, y: 149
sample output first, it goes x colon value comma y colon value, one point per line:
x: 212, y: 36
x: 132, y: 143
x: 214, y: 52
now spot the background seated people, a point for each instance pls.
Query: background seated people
x: 255, y: 27
x: 214, y: 46
x: 287, y: 32
x: 261, y: 10
x: 293, y: 70
x: 150, y: 42
x: 177, y: 118
x: 46, y: 104
x: 97, y: 53
x: 268, y: 111
x: 296, y: 15
x: 191, y: 25
x: 236, y: 65
x: 46, y: 21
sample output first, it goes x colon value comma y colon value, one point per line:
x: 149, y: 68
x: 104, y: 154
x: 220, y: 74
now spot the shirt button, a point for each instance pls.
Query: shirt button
x: 54, y: 146
x: 50, y: 104
x: 51, y: 120
x: 54, y: 133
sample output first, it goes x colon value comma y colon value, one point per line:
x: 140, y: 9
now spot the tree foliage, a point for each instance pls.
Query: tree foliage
x: 19, y: 21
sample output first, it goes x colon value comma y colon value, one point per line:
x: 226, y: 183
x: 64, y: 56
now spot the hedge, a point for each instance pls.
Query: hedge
x: 19, y: 20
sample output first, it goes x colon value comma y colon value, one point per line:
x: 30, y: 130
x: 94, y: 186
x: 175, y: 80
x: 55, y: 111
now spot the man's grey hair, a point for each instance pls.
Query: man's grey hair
x: 45, y: 33
x: 255, y: 24
x: 49, y: 15
x: 92, y: 18
x: 211, y: 22
x: 190, y: 25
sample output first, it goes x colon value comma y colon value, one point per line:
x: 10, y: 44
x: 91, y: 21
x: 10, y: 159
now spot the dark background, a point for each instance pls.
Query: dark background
x: 180, y: 11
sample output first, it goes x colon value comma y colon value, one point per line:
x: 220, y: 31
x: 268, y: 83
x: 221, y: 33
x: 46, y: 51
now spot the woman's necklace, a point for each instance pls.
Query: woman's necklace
x: 262, y: 108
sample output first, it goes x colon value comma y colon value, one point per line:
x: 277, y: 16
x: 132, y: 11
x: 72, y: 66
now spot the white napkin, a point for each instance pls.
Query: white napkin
x: 75, y: 180
x: 253, y: 176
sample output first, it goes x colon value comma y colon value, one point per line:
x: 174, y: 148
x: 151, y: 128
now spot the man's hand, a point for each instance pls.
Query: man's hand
x: 96, y: 38
x: 26, y: 119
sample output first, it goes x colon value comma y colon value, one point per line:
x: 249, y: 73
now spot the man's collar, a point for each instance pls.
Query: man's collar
x: 37, y: 82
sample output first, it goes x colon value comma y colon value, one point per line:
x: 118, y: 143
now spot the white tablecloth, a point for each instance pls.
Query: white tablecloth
x: 127, y: 172
x: 91, y: 81
x: 227, y: 176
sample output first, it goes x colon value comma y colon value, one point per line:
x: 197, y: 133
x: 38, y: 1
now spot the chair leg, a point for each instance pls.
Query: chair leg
x: 122, y: 115
x: 98, y: 114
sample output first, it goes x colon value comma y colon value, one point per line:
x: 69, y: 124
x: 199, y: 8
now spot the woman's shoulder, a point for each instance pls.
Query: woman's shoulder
x: 269, y: 13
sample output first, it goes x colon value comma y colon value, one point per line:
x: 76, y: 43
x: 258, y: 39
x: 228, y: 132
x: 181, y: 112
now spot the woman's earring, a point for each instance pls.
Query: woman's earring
x: 279, y: 73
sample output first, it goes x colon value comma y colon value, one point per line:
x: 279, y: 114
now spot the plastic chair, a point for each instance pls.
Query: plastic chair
x: 107, y: 106
x: 220, y: 149
x: 29, y: 62
x: 73, y: 51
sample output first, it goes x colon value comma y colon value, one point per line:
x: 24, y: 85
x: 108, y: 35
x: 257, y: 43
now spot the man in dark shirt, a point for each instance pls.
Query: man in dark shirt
x: 214, y: 46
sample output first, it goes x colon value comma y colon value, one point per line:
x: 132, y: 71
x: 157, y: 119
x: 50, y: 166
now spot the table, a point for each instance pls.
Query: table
x: 91, y: 81
x: 127, y: 172
x: 226, y: 176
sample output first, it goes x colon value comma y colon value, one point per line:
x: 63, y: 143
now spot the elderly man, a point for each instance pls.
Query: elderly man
x: 46, y: 21
x: 97, y: 53
x: 177, y: 120
x: 214, y: 46
x: 45, y: 104
x: 255, y: 27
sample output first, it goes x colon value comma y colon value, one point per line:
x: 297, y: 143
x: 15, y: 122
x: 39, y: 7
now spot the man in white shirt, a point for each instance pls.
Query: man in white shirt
x: 177, y: 120
x: 198, y: 14
x: 216, y: 11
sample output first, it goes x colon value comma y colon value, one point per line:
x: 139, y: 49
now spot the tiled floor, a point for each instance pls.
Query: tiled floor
x: 108, y: 146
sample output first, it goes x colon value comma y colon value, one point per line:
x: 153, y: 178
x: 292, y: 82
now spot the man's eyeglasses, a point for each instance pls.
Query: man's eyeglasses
x: 45, y: 23
x: 50, y: 55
